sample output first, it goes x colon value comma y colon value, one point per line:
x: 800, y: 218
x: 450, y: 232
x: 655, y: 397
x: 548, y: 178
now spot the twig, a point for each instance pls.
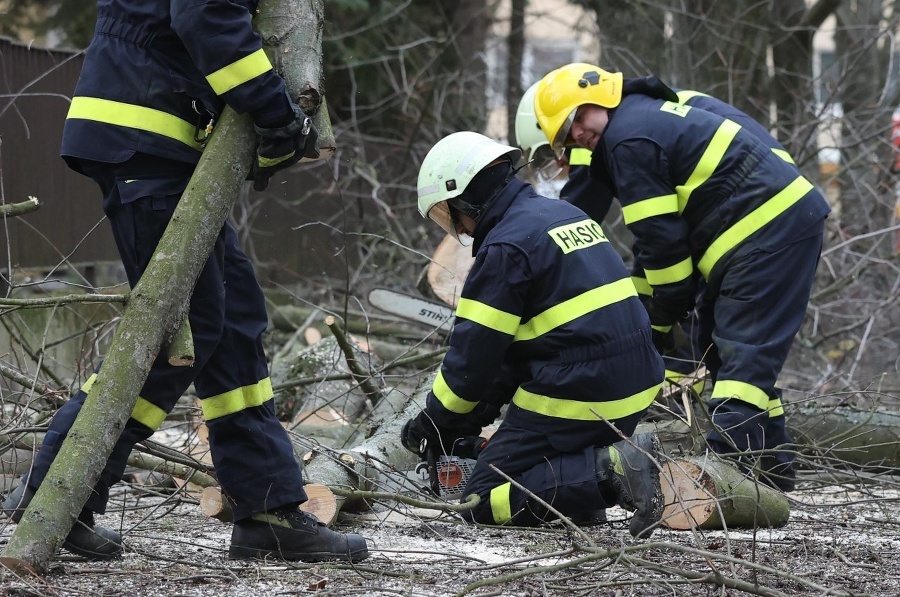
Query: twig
x: 17, y: 209
x: 361, y: 377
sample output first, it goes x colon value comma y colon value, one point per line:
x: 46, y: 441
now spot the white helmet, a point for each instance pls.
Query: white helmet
x: 448, y: 169
x: 529, y: 135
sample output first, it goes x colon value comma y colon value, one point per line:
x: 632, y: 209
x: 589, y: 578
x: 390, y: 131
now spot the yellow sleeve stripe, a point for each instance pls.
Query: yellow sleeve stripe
x: 575, y: 307
x: 642, y: 285
x: 238, y: 72
x: 577, y: 410
x: 686, y: 95
x: 752, y: 222
x: 448, y: 397
x: 783, y: 155
x: 709, y: 161
x: 488, y: 316
x: 647, y: 208
x: 669, y: 275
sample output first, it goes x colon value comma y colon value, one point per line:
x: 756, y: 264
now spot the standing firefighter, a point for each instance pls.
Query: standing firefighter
x: 154, y: 78
x: 549, y: 323
x: 709, y: 199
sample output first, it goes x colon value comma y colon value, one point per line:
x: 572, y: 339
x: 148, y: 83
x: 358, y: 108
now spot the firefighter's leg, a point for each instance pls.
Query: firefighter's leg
x: 760, y: 307
x: 253, y: 454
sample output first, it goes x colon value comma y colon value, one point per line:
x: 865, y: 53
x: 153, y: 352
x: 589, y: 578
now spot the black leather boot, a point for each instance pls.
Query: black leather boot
x: 85, y: 539
x: 291, y: 534
x: 628, y: 469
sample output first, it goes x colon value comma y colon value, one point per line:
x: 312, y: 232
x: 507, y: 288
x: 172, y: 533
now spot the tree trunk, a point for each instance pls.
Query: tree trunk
x: 157, y: 306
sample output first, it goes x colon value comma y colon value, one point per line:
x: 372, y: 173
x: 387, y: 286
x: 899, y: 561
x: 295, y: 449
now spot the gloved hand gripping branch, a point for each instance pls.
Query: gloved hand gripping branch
x: 282, y: 147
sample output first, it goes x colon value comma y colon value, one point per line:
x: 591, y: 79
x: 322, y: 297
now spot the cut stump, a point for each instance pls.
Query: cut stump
x: 707, y: 493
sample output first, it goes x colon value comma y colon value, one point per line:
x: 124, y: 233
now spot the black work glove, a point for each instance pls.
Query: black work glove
x: 282, y: 147
x: 670, y: 341
x: 661, y: 315
x: 420, y: 432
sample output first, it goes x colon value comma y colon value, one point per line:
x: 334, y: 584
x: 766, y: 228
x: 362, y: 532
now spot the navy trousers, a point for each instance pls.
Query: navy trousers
x: 251, y: 451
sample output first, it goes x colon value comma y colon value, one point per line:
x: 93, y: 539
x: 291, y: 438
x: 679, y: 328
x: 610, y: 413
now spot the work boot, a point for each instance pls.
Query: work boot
x: 629, y: 471
x: 85, y: 539
x: 291, y: 534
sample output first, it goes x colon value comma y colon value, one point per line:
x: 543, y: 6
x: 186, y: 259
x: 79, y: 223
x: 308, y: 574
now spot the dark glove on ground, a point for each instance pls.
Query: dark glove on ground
x: 282, y: 147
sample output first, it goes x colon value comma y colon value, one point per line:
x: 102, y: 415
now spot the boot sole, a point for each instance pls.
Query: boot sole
x: 91, y: 555
x: 237, y: 552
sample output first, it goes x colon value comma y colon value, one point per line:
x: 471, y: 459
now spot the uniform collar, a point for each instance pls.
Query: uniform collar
x: 495, y: 212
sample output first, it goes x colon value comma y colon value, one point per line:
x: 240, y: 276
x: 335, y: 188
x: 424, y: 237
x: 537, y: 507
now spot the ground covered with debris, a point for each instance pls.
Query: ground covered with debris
x: 841, y: 539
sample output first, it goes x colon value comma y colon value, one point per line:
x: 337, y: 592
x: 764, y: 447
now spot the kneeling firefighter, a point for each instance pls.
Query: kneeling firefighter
x: 549, y: 323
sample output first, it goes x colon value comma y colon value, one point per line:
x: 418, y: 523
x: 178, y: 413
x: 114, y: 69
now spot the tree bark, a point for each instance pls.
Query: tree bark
x: 158, y: 303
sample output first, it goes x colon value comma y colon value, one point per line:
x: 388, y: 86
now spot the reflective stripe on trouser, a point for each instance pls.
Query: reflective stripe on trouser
x: 749, y: 318
x: 254, y: 459
x: 565, y: 480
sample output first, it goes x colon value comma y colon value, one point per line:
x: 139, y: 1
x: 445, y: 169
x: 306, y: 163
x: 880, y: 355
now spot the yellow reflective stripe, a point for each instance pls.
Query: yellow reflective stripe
x: 575, y: 307
x: 669, y: 275
x: 783, y: 155
x: 488, y: 316
x: 728, y: 388
x: 237, y: 400
x: 686, y: 95
x: 674, y: 377
x: 135, y: 117
x: 448, y: 397
x: 501, y: 509
x: 665, y: 329
x: 647, y: 208
x: 709, y: 161
x: 250, y: 66
x: 580, y: 156
x: 86, y: 386
x: 148, y: 414
x: 577, y: 410
x: 752, y: 222
x: 144, y: 412
x: 775, y: 408
x: 642, y: 285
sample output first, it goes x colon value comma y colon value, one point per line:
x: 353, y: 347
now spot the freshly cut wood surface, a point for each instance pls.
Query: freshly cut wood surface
x: 448, y: 269
x: 322, y: 503
x: 709, y: 493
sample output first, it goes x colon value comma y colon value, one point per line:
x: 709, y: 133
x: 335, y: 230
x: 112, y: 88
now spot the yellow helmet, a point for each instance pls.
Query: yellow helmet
x: 562, y: 91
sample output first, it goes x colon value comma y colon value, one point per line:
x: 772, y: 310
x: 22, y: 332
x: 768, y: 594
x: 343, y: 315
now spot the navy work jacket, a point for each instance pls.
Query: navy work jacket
x: 697, y: 189
x: 545, y: 312
x: 158, y: 72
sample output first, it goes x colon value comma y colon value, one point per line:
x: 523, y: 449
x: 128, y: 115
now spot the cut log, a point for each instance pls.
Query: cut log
x: 708, y: 493
x: 448, y: 269
x: 321, y: 503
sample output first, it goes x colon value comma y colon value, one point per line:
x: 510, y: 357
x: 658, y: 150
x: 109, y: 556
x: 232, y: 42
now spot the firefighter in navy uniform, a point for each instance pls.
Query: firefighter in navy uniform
x: 154, y: 78
x: 549, y: 323
x: 710, y: 201
x: 595, y: 199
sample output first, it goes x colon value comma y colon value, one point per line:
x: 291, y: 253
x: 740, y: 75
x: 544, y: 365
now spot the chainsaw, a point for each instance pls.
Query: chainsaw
x: 446, y: 475
x: 413, y: 308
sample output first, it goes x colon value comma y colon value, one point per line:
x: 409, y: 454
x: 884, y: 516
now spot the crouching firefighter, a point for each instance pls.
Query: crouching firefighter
x: 549, y: 323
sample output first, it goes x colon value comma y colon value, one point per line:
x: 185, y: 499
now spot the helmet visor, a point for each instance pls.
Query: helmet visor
x: 561, y: 140
x: 442, y: 215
